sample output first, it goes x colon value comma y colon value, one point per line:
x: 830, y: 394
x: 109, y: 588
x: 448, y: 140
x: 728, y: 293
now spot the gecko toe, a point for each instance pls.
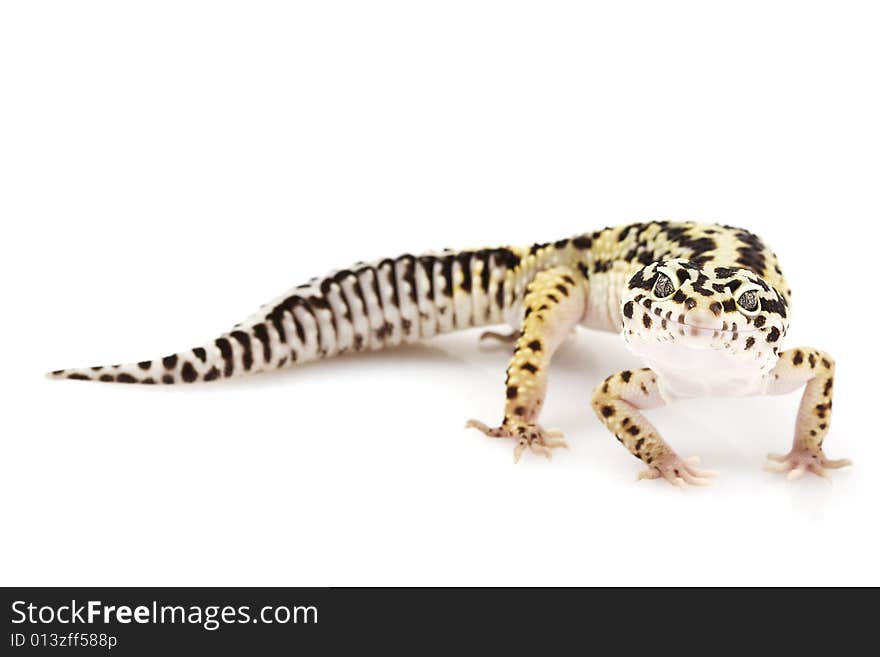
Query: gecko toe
x: 679, y: 472
x: 801, y: 460
x: 531, y: 436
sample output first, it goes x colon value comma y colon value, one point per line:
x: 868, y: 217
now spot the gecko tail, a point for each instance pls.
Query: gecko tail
x: 367, y: 307
x: 206, y: 363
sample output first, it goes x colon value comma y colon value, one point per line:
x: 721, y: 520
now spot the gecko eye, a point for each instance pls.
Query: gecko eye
x: 748, y: 300
x: 663, y: 287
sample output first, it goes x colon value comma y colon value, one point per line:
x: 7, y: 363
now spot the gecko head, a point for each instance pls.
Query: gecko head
x: 672, y: 307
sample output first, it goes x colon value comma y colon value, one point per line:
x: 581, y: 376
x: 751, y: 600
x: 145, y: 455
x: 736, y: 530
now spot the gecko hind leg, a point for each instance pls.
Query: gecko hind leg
x: 503, y: 338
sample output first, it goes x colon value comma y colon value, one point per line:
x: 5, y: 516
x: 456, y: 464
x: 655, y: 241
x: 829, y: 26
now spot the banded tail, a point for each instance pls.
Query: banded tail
x: 366, y: 307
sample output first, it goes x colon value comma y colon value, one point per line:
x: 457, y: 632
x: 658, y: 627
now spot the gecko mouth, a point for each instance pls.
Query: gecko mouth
x: 696, y: 329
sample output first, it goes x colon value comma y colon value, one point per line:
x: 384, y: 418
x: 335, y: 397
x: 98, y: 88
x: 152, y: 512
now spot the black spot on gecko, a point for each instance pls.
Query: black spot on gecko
x: 482, y: 256
x: 145, y: 364
x: 247, y: 356
x: 262, y: 334
x: 645, y: 258
x: 226, y: 354
x: 639, y: 281
x: 750, y: 342
x: 626, y: 375
x: 170, y: 361
x: 773, y: 306
x: 798, y: 357
x: 276, y: 318
x: 499, y: 295
x: 427, y: 263
x: 464, y: 259
x: 125, y: 378
x: 446, y: 275
x: 506, y: 258
x: 201, y: 354
x: 773, y: 335
x: 607, y: 411
x: 699, y: 287
x: 188, y: 372
x: 212, y: 374
x: 512, y: 392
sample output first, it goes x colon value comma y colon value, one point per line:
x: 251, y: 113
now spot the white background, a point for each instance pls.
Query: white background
x: 166, y: 167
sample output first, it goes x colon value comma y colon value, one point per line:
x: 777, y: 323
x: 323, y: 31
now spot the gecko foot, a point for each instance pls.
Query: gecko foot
x: 503, y: 338
x: 800, y: 460
x: 531, y: 436
x: 678, y: 472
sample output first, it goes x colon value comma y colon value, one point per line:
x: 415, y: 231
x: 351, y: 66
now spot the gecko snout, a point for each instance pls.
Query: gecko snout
x: 700, y: 319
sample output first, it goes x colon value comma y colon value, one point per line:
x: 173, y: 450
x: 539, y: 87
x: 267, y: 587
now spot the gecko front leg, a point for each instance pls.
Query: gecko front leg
x: 554, y: 304
x: 815, y: 368
x: 617, y: 402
